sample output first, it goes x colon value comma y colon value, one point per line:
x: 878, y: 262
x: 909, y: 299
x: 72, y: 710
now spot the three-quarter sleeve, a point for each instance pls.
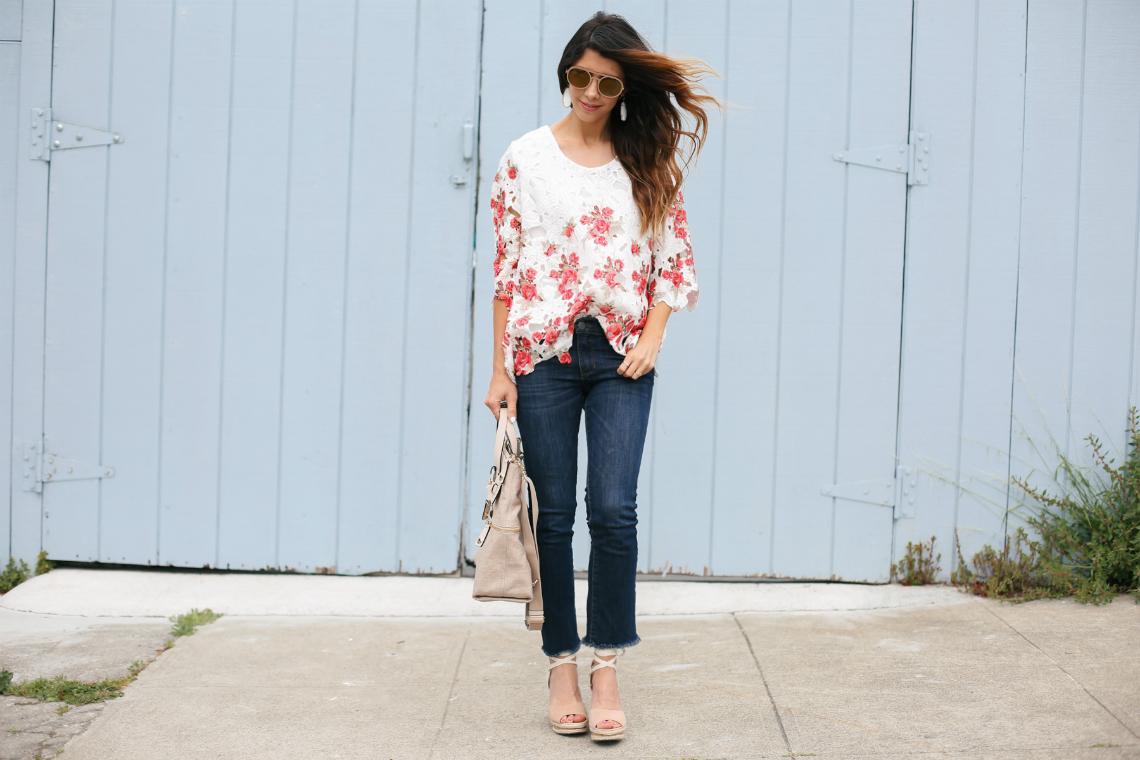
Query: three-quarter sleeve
x: 508, y: 229
x: 672, y: 277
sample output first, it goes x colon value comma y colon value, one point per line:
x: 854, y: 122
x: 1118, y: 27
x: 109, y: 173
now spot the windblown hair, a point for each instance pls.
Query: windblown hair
x: 658, y: 88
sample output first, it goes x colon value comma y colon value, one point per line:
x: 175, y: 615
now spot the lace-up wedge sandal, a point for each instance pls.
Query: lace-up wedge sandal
x: 565, y: 709
x: 599, y: 715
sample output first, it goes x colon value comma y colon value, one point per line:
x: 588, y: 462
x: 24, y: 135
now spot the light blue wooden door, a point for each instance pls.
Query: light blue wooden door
x: 784, y: 381
x: 258, y: 302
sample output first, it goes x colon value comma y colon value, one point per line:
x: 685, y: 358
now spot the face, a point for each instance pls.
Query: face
x: 588, y: 104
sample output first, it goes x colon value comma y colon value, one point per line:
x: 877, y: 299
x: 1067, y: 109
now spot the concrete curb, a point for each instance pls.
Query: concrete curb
x: 141, y: 593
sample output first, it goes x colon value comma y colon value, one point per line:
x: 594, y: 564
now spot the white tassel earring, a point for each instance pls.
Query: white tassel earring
x: 566, y: 98
x: 623, y: 110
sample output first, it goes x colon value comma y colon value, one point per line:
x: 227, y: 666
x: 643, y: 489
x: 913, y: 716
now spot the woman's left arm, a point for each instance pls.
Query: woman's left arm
x: 642, y: 357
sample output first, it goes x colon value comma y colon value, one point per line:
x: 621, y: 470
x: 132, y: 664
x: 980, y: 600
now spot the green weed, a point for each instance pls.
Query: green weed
x: 185, y: 624
x: 919, y: 566
x: 13, y: 575
x: 1088, y: 529
x: 43, y: 564
x: 63, y: 689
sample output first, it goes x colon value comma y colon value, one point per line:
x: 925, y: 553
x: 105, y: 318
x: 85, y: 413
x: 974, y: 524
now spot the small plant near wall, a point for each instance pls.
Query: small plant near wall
x: 43, y: 564
x: 13, y: 575
x: 1092, y: 527
x: 1088, y: 529
x: 919, y: 566
x: 1020, y: 572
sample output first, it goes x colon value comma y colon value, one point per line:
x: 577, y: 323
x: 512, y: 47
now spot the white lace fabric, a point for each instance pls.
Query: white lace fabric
x: 569, y: 245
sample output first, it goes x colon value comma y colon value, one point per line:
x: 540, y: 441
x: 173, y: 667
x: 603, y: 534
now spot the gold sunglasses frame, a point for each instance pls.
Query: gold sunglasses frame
x: 594, y: 76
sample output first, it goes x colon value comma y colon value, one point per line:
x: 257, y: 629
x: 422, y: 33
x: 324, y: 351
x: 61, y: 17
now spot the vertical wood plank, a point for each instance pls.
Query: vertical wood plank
x: 935, y: 278
x: 685, y: 391
x: 254, y: 281
x: 314, y: 285
x: 74, y: 309
x: 511, y: 45
x: 991, y: 289
x: 810, y: 318
x: 1106, y: 242
x: 436, y: 351
x: 29, y: 274
x: 755, y: 80
x: 875, y: 217
x: 375, y: 277
x: 11, y: 21
x: 9, y: 155
x: 195, y: 270
x: 1051, y: 183
x: 133, y: 279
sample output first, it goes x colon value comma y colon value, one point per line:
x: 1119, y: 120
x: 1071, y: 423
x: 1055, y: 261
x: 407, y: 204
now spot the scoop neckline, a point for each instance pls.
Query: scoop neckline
x: 567, y: 159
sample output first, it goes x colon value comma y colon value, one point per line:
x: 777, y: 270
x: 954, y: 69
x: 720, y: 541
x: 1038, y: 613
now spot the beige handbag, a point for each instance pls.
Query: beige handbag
x: 506, y: 560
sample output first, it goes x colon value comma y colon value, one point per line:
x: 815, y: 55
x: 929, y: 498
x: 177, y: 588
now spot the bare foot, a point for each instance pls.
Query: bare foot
x: 604, y: 692
x: 564, y: 688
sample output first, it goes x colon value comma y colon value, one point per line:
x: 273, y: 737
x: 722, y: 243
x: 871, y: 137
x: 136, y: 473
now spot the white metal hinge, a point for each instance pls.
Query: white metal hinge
x: 881, y: 492
x: 907, y: 478
x: 911, y: 158
x: 897, y: 493
x: 40, y: 468
x: 48, y: 135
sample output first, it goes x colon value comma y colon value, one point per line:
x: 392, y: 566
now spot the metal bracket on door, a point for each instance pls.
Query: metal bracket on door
x: 40, y: 468
x: 48, y: 135
x: 907, y: 479
x: 911, y: 158
x: 881, y: 492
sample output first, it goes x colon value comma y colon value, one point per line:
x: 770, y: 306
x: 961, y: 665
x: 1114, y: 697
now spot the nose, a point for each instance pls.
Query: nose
x: 592, y: 90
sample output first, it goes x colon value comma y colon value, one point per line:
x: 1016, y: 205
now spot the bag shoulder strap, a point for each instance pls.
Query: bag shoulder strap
x: 533, y: 616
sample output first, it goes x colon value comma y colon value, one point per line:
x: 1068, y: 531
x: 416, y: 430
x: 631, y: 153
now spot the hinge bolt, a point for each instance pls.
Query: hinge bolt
x: 78, y: 138
x: 58, y: 127
x: 56, y: 143
x: 118, y: 139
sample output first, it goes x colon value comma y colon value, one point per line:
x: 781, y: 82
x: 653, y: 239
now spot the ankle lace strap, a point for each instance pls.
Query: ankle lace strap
x: 563, y: 660
x: 598, y: 663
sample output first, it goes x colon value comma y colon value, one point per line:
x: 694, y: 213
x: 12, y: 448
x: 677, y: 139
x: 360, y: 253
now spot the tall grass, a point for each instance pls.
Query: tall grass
x: 1088, y: 528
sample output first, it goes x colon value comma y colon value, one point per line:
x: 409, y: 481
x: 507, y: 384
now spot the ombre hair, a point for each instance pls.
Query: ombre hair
x: 658, y: 88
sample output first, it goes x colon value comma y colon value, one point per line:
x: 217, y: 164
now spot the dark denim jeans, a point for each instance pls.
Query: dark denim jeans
x: 550, y: 404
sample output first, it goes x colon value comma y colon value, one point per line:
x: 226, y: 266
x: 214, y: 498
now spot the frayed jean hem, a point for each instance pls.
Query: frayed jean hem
x: 596, y: 645
x: 562, y: 653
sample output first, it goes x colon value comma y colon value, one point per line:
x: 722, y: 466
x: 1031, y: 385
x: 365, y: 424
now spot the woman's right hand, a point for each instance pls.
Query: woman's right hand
x: 502, y: 389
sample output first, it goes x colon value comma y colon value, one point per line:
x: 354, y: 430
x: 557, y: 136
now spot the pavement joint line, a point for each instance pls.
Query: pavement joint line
x: 1060, y: 667
x: 450, y: 691
x: 760, y: 670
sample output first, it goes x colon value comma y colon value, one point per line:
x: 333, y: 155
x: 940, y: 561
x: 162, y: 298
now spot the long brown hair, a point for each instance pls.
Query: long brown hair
x: 658, y: 88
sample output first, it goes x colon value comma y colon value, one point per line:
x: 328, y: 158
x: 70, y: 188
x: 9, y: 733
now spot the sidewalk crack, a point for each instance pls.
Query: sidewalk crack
x: 767, y: 689
x: 450, y: 692
x: 1061, y: 668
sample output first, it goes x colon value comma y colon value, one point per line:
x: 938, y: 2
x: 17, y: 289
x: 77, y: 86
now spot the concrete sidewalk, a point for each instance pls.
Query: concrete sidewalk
x: 864, y: 672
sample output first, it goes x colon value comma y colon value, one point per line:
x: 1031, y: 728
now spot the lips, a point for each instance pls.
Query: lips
x: 588, y: 107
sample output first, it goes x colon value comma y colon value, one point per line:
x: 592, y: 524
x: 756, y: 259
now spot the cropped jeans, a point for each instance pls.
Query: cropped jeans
x: 550, y: 403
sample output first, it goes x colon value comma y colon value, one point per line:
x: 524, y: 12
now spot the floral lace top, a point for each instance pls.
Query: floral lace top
x: 569, y: 245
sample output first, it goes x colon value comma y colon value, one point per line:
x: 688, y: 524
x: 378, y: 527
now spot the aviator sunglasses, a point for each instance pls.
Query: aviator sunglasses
x: 608, y: 87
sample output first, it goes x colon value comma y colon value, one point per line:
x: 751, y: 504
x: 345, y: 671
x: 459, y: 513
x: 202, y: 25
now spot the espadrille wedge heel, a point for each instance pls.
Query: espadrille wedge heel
x: 599, y: 715
x: 564, y: 710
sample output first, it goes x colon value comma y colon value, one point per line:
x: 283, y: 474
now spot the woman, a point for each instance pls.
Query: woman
x: 593, y: 257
